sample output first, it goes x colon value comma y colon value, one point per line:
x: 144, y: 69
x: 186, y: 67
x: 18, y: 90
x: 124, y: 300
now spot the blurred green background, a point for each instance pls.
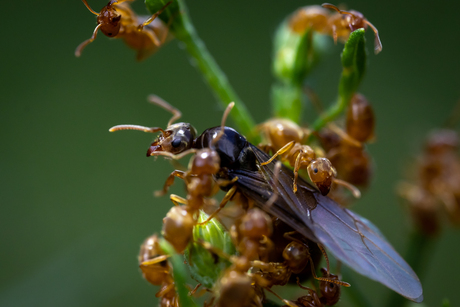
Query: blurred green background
x: 77, y: 201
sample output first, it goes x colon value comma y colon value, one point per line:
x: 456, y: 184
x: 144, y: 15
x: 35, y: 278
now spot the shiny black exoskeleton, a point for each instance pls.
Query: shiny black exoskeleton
x: 352, y: 239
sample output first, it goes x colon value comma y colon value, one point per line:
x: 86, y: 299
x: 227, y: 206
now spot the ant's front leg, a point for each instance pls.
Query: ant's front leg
x: 169, y: 182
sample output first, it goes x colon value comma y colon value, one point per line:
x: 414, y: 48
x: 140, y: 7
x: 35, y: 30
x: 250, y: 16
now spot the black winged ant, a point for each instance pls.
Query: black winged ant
x: 352, y: 239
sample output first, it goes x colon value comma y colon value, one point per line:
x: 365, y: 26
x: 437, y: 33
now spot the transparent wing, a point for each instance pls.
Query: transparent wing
x: 351, y: 238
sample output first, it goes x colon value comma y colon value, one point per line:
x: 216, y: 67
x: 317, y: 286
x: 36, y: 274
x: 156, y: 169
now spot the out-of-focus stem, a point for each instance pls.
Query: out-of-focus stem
x: 214, y: 76
x: 180, y: 272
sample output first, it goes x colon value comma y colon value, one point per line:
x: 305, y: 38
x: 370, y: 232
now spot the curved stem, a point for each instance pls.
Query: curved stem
x: 201, y: 58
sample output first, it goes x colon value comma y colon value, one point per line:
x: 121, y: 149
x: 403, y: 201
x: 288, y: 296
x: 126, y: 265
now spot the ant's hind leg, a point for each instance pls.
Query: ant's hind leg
x: 222, y: 204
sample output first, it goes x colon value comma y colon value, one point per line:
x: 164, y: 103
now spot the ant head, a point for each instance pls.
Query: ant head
x: 109, y: 19
x: 176, y: 139
x: 321, y: 173
x: 330, y: 291
x: 356, y: 20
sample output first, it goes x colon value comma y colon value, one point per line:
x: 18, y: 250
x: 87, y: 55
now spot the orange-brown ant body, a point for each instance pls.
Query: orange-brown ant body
x: 117, y: 20
x: 329, y: 290
x: 156, y: 270
x: 338, y: 25
x: 285, y: 138
x: 345, y: 149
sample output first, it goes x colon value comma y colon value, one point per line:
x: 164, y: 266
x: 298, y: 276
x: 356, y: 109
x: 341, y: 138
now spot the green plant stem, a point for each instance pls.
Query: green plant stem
x: 417, y: 251
x: 180, y: 272
x: 332, y: 113
x: 354, y: 58
x: 214, y: 76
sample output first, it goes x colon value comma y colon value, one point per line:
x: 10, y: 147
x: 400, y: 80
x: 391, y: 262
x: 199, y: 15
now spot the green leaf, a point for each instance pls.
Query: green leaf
x: 354, y: 60
x: 180, y: 274
x: 295, y: 55
x: 287, y: 101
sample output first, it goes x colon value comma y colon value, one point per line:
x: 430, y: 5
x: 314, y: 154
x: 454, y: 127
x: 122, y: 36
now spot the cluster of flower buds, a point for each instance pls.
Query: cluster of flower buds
x: 436, y: 189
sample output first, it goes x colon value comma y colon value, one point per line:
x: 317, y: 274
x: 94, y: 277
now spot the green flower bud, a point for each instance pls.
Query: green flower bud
x: 295, y: 54
x: 206, y: 267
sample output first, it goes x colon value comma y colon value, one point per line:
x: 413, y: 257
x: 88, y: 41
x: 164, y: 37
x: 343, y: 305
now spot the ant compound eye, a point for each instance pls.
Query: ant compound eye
x: 315, y: 170
x: 176, y: 143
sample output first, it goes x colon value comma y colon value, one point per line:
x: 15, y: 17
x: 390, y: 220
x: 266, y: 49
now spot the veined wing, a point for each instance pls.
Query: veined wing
x: 351, y: 238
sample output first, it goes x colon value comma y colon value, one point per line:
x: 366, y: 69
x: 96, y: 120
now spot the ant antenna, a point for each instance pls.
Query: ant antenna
x: 323, y: 251
x: 303, y: 287
x: 338, y: 282
x: 156, y: 100
x: 222, y: 125
x: 354, y: 190
x: 89, y: 8
x: 335, y: 8
x: 137, y: 127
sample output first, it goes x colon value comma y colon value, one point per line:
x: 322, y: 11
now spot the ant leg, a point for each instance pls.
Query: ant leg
x: 121, y: 1
x: 296, y: 171
x: 165, y: 290
x: 177, y: 200
x: 87, y: 42
x: 354, y: 190
x: 89, y: 8
x: 154, y: 261
x: 222, y: 204
x: 284, y: 149
x: 377, y: 42
x: 339, y: 131
x: 288, y: 303
x: 334, y: 33
x: 152, y: 18
x: 169, y: 182
x: 226, y: 182
x: 153, y: 37
x: 162, y: 103
x: 192, y: 292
